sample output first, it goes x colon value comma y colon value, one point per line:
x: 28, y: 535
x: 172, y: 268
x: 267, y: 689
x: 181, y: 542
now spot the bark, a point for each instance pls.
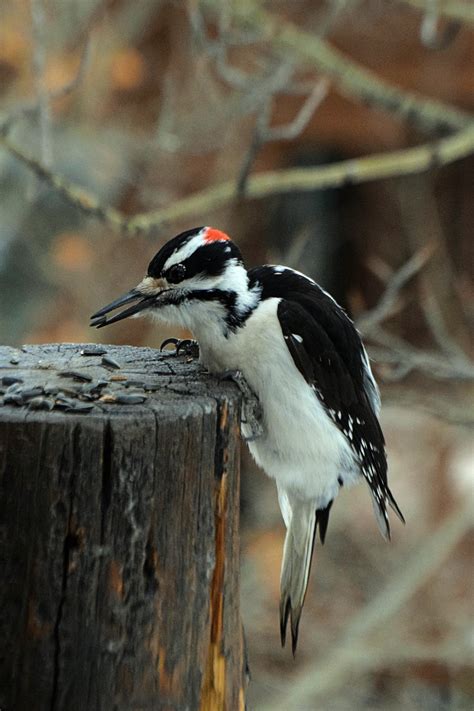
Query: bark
x: 119, y: 533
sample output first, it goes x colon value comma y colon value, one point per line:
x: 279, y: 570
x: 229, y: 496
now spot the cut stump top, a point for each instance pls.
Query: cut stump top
x: 77, y: 380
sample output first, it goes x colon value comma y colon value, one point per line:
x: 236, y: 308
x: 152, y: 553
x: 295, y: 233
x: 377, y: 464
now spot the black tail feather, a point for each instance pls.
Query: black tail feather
x: 285, y: 608
x: 394, y: 506
x: 322, y: 520
x: 294, y: 614
x: 295, y: 623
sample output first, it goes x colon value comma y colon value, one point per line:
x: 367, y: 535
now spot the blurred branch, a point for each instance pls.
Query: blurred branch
x: 38, y: 22
x: 74, y: 194
x: 452, y: 652
x: 386, y: 304
x: 460, y: 10
x: 407, y: 358
x: 358, y: 170
x: 263, y: 133
x: 349, y: 77
x: 432, y: 35
x: 31, y: 108
x: 434, y: 317
x: 454, y: 410
x: 437, y: 284
x: 450, y: 363
x: 349, y: 653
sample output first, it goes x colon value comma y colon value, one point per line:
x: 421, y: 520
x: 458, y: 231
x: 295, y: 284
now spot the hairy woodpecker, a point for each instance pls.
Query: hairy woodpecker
x: 302, y: 356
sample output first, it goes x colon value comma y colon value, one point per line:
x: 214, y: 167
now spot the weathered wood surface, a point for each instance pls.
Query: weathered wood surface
x: 118, y: 533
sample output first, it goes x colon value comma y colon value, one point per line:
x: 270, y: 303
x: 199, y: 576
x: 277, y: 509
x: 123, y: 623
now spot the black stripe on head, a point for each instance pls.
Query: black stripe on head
x: 228, y: 299
x: 159, y: 260
x: 211, y: 259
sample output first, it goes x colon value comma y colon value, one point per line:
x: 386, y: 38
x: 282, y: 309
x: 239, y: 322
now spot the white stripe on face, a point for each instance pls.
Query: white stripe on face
x: 186, y: 250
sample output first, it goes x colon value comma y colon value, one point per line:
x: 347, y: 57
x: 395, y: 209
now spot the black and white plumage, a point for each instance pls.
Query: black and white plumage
x: 302, y: 356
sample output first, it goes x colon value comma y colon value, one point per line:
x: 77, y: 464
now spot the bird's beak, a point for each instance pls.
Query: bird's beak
x: 144, y: 295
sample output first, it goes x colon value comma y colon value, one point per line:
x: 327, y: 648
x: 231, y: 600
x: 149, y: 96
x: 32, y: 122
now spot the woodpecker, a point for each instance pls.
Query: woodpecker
x: 303, y: 358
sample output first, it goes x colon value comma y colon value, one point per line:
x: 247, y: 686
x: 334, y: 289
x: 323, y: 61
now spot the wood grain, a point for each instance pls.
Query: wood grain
x: 119, y: 534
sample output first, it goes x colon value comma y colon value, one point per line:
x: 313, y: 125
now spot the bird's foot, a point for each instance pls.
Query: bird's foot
x: 252, y: 414
x: 186, y: 347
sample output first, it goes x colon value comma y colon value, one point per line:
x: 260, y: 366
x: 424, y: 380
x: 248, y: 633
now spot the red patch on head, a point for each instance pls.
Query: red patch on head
x: 212, y: 235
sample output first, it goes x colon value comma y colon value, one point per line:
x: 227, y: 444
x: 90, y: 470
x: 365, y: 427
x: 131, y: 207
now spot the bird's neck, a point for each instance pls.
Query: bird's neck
x: 216, y: 312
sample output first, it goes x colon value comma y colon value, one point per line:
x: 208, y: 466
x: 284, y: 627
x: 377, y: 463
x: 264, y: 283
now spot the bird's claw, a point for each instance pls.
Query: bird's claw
x: 252, y: 414
x: 186, y: 347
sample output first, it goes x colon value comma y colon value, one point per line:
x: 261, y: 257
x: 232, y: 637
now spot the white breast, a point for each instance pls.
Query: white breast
x: 301, y: 448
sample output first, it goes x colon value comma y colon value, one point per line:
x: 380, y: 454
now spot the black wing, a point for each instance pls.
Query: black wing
x: 328, y: 352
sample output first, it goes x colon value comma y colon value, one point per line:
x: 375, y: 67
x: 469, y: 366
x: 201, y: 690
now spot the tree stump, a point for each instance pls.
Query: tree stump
x: 118, y: 532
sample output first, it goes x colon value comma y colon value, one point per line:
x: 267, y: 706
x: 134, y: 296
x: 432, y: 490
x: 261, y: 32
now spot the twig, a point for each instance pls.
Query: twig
x: 39, y: 63
x: 430, y: 33
x: 30, y: 109
x: 264, y: 133
x: 450, y: 363
x: 73, y: 193
x: 453, y: 410
x: 254, y: 147
x: 437, y: 296
x: 383, y: 309
x: 392, y: 349
x: 452, y: 652
x: 434, y: 318
x: 289, y: 131
x: 410, y: 577
x: 359, y: 170
x: 461, y: 10
x: 347, y: 76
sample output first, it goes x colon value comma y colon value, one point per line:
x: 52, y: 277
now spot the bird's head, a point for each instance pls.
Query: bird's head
x: 198, y: 272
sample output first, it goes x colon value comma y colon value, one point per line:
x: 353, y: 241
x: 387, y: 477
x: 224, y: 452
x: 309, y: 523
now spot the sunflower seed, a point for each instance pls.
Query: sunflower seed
x: 75, y: 375
x: 40, y: 403
x: 11, y: 380
x: 51, y: 390
x: 130, y: 398
x: 108, y: 398
x: 13, y: 399
x: 28, y: 393
x: 78, y: 406
x: 135, y: 384
x: 92, y: 351
x: 110, y: 363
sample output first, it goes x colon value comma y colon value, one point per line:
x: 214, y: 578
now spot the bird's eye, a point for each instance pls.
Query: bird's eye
x: 176, y: 273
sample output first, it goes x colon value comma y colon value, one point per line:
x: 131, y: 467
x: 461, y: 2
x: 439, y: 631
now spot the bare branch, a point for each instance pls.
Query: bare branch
x: 430, y: 33
x: 387, y: 302
x: 435, y: 320
x: 74, y: 194
x: 403, y: 358
x: 406, y: 358
x: 359, y: 170
x: 290, y: 131
x: 347, y: 76
x: 263, y: 133
x: 31, y: 109
x: 461, y: 10
x: 39, y: 63
x: 451, y: 410
x: 255, y: 145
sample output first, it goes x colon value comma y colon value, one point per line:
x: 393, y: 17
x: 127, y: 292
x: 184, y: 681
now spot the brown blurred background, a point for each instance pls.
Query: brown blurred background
x: 144, y: 103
